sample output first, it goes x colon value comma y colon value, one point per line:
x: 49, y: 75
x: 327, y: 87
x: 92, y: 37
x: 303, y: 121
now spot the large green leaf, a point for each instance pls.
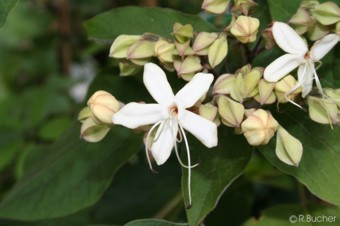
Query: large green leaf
x: 282, y: 10
x: 152, y: 222
x: 319, y: 168
x: 329, y: 71
x: 283, y: 215
x: 72, y: 175
x: 136, y: 20
x: 5, y: 7
x: 218, y: 168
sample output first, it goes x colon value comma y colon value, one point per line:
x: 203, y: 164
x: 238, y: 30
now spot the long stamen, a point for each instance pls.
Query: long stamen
x: 147, y: 144
x: 317, y: 81
x: 189, y: 165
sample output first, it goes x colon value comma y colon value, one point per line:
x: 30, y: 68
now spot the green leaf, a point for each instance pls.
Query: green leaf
x: 70, y: 176
x: 136, y: 20
x: 281, y: 10
x: 283, y: 215
x: 152, y: 222
x: 54, y: 128
x: 318, y: 169
x: 218, y: 168
x: 329, y: 70
x: 5, y: 7
x: 10, y: 142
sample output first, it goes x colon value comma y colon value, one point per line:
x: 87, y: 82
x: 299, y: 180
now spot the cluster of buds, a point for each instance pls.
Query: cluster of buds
x: 96, y: 118
x: 317, y: 20
x: 221, y: 6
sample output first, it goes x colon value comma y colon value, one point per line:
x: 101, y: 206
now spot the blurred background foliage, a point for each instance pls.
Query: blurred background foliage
x: 46, y: 65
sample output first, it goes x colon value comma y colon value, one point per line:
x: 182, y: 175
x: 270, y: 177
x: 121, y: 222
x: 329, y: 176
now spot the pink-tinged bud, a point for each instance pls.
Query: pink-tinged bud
x: 120, y: 46
x: 202, y: 42
x: 164, y: 51
x: 245, y: 28
x: 190, y: 64
x: 183, y: 49
x: 103, y: 106
x: 92, y: 132
x: 183, y: 33
x: 144, y: 48
x: 209, y: 112
x: 243, y: 6
x: 259, y: 127
x: 215, y: 6
x: 231, y: 112
x: 266, y: 92
x: 224, y: 84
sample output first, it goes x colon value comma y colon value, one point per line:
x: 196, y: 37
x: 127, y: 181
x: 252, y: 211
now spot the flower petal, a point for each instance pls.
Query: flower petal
x: 281, y: 67
x: 162, y: 146
x: 305, y: 77
x: 203, y: 129
x: 323, y: 46
x: 134, y: 115
x: 157, y: 84
x: 288, y: 39
x: 194, y: 90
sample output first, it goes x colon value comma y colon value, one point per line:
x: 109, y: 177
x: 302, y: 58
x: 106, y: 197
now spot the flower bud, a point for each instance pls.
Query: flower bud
x: 215, y: 6
x: 333, y: 94
x: 243, y: 6
x: 202, y: 41
x: 120, y: 46
x: 218, y: 51
x: 224, y: 84
x: 183, y: 49
x: 209, y: 112
x: 164, y: 50
x: 327, y: 13
x: 317, y: 31
x: 245, y: 28
x: 231, y: 112
x: 259, y: 127
x: 190, y: 64
x: 183, y: 32
x: 337, y: 29
x: 84, y: 114
x: 128, y: 68
x: 103, y: 105
x: 92, y: 132
x: 266, y: 94
x: 267, y: 34
x: 288, y: 149
x: 141, y: 49
x: 301, y: 21
x: 284, y: 87
x: 324, y: 111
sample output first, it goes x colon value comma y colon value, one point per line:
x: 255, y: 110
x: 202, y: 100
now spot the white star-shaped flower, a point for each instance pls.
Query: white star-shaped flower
x: 298, y: 55
x: 169, y: 116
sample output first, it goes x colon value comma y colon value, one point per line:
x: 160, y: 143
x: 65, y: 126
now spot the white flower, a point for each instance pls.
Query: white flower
x: 298, y: 55
x: 170, y: 116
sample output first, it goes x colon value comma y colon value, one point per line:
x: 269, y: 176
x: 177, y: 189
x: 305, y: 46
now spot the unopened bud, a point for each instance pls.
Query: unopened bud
x: 190, y: 64
x: 141, y: 49
x: 183, y: 32
x: 317, y: 31
x: 231, y: 112
x: 218, y: 51
x: 259, y: 127
x: 337, y: 29
x: 301, y: 21
x: 321, y: 110
x: 333, y: 94
x: 183, y: 49
x: 120, y: 46
x: 202, y: 42
x: 164, y: 50
x: 103, y: 106
x: 243, y: 6
x: 284, y: 89
x: 327, y: 13
x: 128, y: 68
x: 224, y: 84
x: 209, y: 112
x: 215, y: 6
x: 84, y: 114
x: 266, y: 92
x: 245, y: 28
x: 288, y: 149
x: 92, y: 132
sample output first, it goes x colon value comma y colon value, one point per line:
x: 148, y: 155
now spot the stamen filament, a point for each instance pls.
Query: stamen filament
x: 147, y: 144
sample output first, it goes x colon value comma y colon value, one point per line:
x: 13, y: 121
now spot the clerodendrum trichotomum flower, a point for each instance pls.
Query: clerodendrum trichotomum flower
x: 298, y: 55
x: 170, y: 116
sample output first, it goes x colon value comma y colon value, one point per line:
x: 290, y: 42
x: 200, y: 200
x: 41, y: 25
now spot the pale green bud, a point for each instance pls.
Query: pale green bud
x: 189, y: 65
x: 164, y: 50
x: 218, y: 51
x: 259, y: 127
x: 215, y: 6
x: 92, y: 132
x: 243, y: 6
x: 183, y: 49
x: 231, y: 112
x: 309, y: 4
x: 245, y: 28
x: 288, y: 149
x: 285, y: 86
x: 141, y: 49
x: 337, y: 29
x: 128, y: 68
x: 84, y: 114
x: 209, y: 112
x: 202, y: 42
x: 103, y: 106
x: 317, y: 31
x: 266, y: 92
x: 301, y: 21
x: 321, y: 110
x: 187, y: 77
x: 120, y: 46
x: 333, y: 94
x: 224, y: 84
x: 327, y: 13
x: 183, y: 32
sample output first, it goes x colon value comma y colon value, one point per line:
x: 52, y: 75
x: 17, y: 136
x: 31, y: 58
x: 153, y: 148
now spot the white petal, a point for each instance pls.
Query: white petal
x: 323, y: 46
x: 194, y: 90
x: 288, y: 39
x: 281, y: 67
x: 134, y: 115
x: 305, y: 77
x: 161, y: 148
x: 157, y: 84
x: 203, y: 129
